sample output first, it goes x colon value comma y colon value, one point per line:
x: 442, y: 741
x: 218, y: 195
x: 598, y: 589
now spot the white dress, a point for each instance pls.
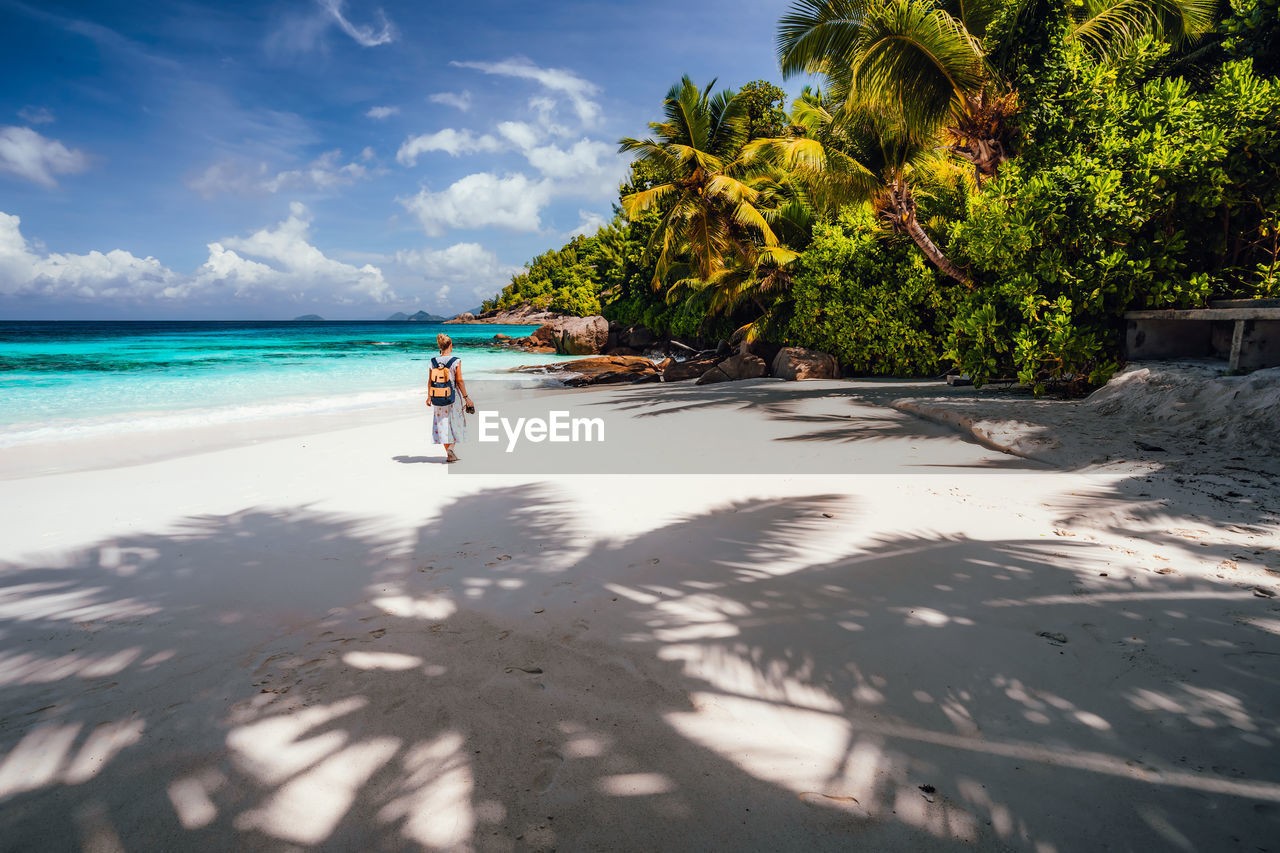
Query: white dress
x: 449, y: 423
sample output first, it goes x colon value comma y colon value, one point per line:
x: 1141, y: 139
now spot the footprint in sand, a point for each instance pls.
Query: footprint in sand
x: 579, y: 627
x: 265, y: 666
x: 548, y: 764
x: 817, y: 798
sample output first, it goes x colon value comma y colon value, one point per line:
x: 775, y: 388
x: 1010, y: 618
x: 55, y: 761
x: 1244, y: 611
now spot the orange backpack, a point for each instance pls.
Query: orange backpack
x: 440, y: 382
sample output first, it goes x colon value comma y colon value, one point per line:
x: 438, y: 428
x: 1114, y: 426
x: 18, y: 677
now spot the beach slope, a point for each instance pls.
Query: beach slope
x: 772, y: 616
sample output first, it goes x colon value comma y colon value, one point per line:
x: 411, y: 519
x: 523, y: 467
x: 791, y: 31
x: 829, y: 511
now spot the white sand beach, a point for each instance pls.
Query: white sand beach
x: 841, y: 628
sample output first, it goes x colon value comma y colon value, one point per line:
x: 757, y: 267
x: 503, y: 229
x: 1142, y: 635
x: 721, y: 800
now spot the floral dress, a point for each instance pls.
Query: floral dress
x: 449, y: 423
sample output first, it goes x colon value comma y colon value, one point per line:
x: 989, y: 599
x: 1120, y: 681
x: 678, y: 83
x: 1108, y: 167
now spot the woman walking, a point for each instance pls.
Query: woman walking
x: 449, y: 422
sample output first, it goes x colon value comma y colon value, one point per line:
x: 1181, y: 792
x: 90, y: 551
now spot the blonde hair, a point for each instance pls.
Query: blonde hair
x: 443, y: 341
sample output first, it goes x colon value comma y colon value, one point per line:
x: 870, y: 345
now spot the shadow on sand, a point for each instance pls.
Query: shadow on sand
x: 282, y: 679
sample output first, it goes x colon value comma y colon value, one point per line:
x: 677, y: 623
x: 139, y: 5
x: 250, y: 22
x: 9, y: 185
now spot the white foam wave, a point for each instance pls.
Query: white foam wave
x: 92, y: 427
x: 64, y: 429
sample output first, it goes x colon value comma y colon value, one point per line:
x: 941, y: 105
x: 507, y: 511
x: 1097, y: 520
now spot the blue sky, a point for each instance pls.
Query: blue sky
x: 342, y: 157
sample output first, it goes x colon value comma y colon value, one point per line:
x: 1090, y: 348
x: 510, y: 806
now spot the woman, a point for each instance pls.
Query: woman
x: 449, y: 423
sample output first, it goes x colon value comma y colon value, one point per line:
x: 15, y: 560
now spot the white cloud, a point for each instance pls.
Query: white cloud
x: 590, y: 223
x: 459, y: 100
x: 33, y: 115
x: 15, y: 258
x: 381, y: 112
x: 561, y: 80
x: 587, y: 168
x: 27, y: 154
x: 459, y: 262
x: 306, y: 31
x: 467, y: 265
x: 541, y: 105
x: 363, y: 35
x: 323, y: 173
x: 293, y: 267
x: 520, y: 134
x: 476, y: 201
x: 545, y: 109
x: 288, y: 269
x: 96, y: 275
x: 453, y: 142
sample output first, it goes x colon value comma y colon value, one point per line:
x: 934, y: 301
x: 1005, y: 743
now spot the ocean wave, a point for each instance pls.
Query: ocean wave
x: 96, y: 427
x: 121, y: 423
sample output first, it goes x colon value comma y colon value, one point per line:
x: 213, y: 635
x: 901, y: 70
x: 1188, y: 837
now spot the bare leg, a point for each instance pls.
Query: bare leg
x: 449, y: 454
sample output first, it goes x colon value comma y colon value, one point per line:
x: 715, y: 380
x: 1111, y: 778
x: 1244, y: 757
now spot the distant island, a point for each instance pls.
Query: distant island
x: 308, y: 317
x: 419, y: 317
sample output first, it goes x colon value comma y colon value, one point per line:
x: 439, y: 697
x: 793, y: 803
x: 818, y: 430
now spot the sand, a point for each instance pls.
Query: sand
x: 848, y: 628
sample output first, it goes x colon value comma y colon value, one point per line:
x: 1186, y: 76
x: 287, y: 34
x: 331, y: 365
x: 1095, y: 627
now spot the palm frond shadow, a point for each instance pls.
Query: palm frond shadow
x: 860, y: 425
x: 767, y: 395
x: 507, y: 679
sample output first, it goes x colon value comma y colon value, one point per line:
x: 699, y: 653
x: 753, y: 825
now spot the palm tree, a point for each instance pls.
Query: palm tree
x: 754, y: 280
x: 911, y: 54
x: 983, y: 131
x: 709, y: 201
x: 860, y: 155
x: 934, y: 61
x: 757, y: 275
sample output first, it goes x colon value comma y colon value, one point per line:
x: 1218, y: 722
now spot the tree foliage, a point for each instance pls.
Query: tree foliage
x: 870, y: 299
x: 1252, y: 31
x: 1153, y: 197
x: 763, y: 104
x: 564, y: 279
x: 1054, y: 163
x: 708, y: 196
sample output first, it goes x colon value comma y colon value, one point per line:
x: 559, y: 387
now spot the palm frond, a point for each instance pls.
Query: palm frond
x: 919, y: 59
x: 638, y: 202
x: 1106, y: 27
x: 815, y: 34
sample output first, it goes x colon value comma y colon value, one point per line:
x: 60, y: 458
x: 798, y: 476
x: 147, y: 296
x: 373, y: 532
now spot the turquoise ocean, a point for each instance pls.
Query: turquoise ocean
x: 61, y: 380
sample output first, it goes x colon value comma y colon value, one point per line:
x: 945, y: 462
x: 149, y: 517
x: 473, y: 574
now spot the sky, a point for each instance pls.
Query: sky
x: 262, y: 160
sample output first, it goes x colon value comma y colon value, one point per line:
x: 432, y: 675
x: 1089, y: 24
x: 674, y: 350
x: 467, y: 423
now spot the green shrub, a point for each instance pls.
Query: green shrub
x: 869, y: 299
x: 1252, y: 30
x: 562, y: 279
x: 1147, y: 196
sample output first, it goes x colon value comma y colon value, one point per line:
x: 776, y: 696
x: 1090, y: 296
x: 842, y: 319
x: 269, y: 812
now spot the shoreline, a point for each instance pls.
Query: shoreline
x: 1059, y: 434
x: 123, y: 448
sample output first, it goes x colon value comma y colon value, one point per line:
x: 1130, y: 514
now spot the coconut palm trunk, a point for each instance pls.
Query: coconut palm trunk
x: 899, y: 192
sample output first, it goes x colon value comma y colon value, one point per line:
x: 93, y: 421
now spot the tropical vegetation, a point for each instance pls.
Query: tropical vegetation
x: 983, y: 186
